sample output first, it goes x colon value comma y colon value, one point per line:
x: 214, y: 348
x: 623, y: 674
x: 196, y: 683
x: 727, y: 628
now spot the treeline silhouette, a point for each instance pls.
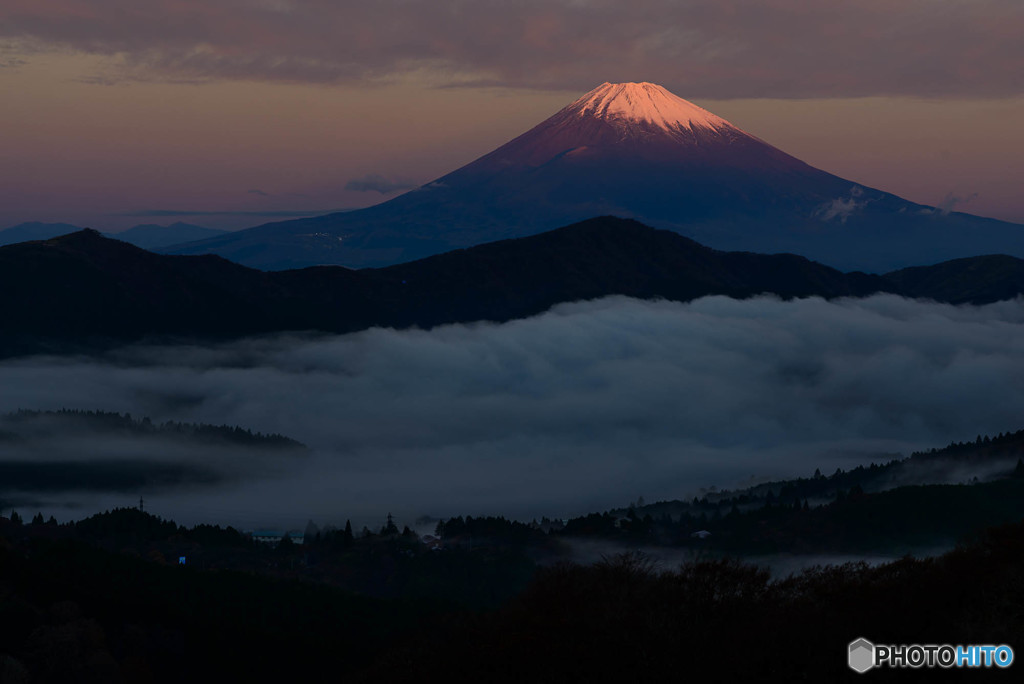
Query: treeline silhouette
x: 128, y: 596
x: 14, y: 426
x: 78, y: 613
x: 1004, y: 444
x: 105, y: 599
x: 836, y: 513
x: 627, y: 619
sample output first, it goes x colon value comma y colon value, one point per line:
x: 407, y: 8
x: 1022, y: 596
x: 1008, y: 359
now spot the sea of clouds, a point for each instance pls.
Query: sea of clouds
x: 585, y: 407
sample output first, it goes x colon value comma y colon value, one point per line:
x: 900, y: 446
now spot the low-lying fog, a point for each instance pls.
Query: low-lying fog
x: 780, y: 565
x: 583, y: 408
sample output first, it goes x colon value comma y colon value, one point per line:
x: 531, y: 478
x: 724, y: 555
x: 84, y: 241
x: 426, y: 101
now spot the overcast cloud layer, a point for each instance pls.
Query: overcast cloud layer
x: 583, y: 408
x: 704, y: 48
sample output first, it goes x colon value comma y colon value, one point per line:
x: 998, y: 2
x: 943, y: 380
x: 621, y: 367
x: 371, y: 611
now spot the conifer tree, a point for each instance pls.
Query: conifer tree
x: 390, y: 528
x: 347, y: 536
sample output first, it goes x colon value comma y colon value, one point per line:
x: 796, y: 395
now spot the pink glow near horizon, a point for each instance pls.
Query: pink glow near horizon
x: 227, y: 153
x: 248, y: 109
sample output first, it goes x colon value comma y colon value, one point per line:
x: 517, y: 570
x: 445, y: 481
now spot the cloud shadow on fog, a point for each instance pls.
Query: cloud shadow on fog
x: 582, y: 408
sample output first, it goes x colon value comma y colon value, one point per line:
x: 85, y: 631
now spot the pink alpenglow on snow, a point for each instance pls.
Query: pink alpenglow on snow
x: 645, y: 103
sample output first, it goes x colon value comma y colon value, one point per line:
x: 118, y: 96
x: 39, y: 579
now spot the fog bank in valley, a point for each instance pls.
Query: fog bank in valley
x: 583, y: 408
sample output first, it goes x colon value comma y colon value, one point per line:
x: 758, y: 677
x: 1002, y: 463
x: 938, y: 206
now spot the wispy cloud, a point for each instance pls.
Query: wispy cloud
x: 840, y: 208
x: 951, y: 200
x: 376, y: 183
x: 701, y: 48
x: 267, y: 213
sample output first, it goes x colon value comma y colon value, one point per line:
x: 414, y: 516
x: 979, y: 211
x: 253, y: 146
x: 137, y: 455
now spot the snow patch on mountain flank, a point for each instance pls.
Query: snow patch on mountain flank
x: 645, y: 103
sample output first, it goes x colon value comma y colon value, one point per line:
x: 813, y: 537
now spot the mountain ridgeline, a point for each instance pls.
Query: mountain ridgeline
x: 84, y: 291
x: 147, y: 236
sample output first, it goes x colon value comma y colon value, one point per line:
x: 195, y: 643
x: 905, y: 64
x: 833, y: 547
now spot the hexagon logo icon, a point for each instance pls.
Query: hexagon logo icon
x: 862, y: 655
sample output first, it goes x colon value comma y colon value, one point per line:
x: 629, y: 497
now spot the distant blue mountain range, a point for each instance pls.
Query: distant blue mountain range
x: 147, y: 236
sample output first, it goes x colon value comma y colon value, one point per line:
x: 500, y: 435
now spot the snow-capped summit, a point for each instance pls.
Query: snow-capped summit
x: 628, y: 123
x: 631, y: 122
x: 645, y: 103
x: 632, y: 150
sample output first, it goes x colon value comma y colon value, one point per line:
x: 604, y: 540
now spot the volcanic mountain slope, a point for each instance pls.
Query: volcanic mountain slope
x: 632, y: 150
x: 83, y: 291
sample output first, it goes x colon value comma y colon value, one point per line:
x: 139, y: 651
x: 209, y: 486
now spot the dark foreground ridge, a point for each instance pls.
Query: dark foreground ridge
x: 126, y: 596
x: 104, y: 600
x: 83, y: 291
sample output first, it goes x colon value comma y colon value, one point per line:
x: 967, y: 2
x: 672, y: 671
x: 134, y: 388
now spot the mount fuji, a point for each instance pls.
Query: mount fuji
x: 632, y: 150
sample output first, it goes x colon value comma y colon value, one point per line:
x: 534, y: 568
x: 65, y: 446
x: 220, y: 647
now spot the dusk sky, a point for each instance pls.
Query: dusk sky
x: 231, y: 113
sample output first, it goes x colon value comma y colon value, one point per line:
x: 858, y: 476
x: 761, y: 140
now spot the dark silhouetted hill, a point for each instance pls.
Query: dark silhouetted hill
x: 964, y: 281
x: 34, y: 230
x: 86, y: 291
